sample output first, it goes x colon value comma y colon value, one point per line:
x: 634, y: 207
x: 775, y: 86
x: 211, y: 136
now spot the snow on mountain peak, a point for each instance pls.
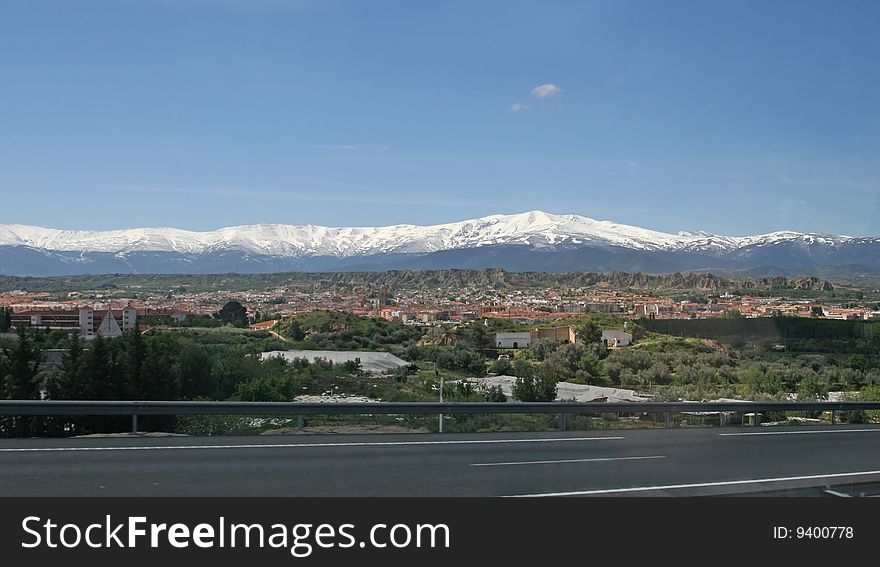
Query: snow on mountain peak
x: 534, y: 228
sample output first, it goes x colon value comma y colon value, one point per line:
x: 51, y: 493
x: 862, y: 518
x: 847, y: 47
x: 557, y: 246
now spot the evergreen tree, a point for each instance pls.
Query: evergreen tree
x: 134, y: 358
x: 233, y: 313
x: 97, y: 375
x: 69, y: 383
x: 194, y: 372
x: 23, y: 364
x: 159, y: 379
x: 5, y: 319
x: 21, y: 370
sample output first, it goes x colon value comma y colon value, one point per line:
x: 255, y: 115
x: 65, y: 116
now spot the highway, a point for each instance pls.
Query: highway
x: 654, y: 462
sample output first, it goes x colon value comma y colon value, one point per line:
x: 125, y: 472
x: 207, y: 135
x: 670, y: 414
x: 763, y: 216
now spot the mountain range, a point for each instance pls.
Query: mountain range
x: 531, y: 241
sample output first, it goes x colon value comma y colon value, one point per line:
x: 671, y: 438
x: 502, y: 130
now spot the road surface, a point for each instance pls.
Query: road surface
x: 587, y: 463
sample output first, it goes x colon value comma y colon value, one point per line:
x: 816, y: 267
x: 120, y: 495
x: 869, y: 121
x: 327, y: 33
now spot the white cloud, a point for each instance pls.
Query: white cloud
x: 516, y: 107
x: 545, y: 90
x: 347, y: 147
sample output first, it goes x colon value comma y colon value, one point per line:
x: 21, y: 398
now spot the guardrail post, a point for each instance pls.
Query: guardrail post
x: 562, y: 419
x: 440, y: 421
x: 832, y: 416
x: 666, y: 418
x: 134, y: 423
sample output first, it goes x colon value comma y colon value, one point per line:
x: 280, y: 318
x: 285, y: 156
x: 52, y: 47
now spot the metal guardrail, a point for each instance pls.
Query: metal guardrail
x: 81, y: 407
x: 136, y: 408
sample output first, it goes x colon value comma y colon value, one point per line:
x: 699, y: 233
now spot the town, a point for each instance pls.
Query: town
x: 420, y: 305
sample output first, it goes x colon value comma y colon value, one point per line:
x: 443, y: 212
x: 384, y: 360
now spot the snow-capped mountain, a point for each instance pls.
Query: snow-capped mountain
x: 535, y: 228
x: 528, y: 241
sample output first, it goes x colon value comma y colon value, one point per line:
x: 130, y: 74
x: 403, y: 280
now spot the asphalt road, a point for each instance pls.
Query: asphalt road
x: 678, y: 462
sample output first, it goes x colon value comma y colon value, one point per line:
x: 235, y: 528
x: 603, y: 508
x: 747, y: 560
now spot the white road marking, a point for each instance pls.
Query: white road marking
x: 305, y: 445
x: 698, y: 485
x: 597, y: 460
x: 873, y: 430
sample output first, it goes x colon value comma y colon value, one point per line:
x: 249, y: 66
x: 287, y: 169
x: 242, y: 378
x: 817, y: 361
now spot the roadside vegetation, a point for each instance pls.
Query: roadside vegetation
x: 214, y: 362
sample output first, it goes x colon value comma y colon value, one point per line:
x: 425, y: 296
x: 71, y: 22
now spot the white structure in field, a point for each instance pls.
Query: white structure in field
x: 613, y: 338
x: 370, y: 361
x: 513, y: 340
x: 566, y: 391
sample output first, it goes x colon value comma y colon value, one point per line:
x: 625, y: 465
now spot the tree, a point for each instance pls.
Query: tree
x: 858, y: 362
x: 589, y: 332
x: 495, y: 394
x: 69, y: 383
x: 194, y: 372
x: 133, y: 359
x: 590, y: 364
x: 21, y: 368
x: 756, y: 381
x: 812, y: 388
x: 231, y: 369
x: 233, y: 313
x: 532, y: 384
x: 5, y: 319
x: 475, y: 335
x: 98, y: 371
x: 543, y: 348
x: 501, y: 366
x: 23, y: 364
x: 161, y: 380
x: 353, y: 366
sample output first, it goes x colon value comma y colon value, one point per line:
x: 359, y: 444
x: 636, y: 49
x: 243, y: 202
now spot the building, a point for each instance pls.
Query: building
x: 46, y: 319
x: 614, y: 338
x: 557, y: 334
x: 87, y: 322
x: 844, y: 314
x: 173, y: 315
x: 601, y: 307
x: 513, y: 340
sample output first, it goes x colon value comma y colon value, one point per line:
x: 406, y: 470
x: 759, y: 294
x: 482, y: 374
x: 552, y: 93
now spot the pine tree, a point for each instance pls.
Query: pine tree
x: 133, y: 365
x: 69, y: 383
x: 98, y: 370
x: 233, y: 313
x: 5, y: 319
x: 23, y: 364
x: 22, y: 368
x: 194, y: 372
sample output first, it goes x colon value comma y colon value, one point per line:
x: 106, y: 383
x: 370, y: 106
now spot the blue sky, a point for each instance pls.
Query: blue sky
x: 731, y: 117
